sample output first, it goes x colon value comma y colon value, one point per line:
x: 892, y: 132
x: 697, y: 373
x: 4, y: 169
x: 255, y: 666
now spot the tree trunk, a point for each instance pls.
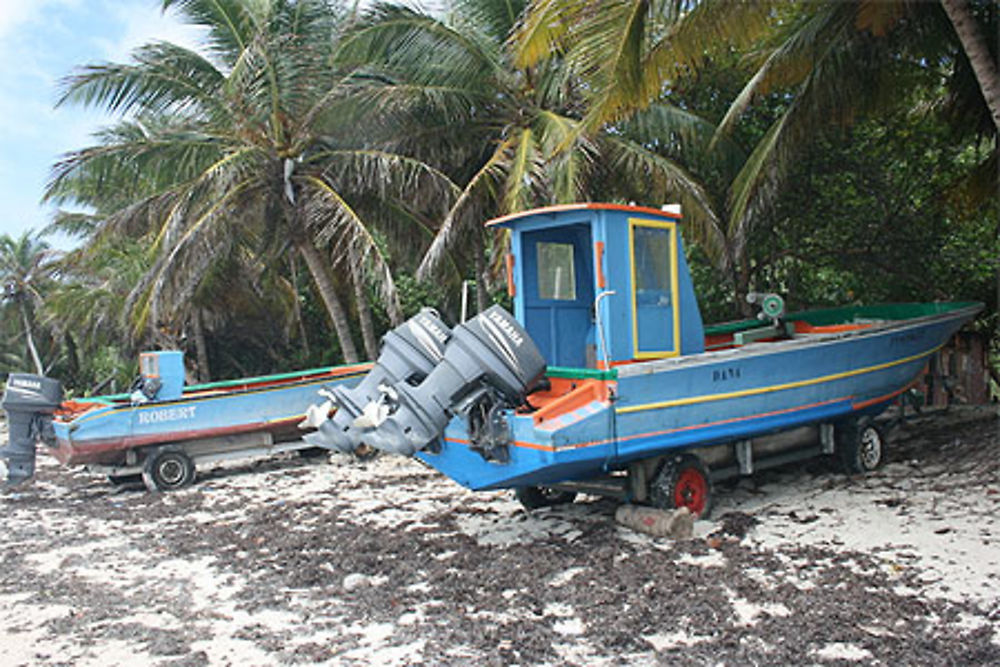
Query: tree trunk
x: 72, y: 358
x: 482, y: 296
x: 736, y: 264
x: 297, y: 307
x: 983, y: 65
x: 978, y: 53
x: 317, y: 269
x: 31, y: 341
x: 364, y: 311
x: 201, y: 348
x: 741, y: 279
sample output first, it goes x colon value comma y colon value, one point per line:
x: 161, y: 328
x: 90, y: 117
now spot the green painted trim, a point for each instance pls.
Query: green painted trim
x: 224, y: 384
x: 581, y: 373
x: 851, y: 314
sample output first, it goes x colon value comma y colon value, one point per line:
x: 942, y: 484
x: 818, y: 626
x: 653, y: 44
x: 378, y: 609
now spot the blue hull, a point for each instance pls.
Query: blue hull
x: 704, y: 399
x: 103, y: 435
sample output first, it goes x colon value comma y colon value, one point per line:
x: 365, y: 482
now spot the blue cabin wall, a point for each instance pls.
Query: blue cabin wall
x: 168, y: 367
x: 618, y: 308
x: 692, y: 326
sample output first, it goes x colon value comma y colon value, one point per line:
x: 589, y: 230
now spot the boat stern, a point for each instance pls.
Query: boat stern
x: 567, y: 437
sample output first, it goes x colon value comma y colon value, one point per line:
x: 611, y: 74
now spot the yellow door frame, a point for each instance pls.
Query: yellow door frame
x: 674, y: 301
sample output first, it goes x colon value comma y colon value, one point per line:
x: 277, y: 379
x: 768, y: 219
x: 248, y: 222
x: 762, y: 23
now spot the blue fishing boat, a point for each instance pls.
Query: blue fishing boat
x: 162, y: 430
x: 606, y: 378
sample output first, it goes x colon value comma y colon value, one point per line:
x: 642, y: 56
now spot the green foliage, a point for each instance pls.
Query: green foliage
x: 873, y: 216
x: 243, y: 183
x: 715, y: 296
x: 104, y: 370
x: 415, y: 294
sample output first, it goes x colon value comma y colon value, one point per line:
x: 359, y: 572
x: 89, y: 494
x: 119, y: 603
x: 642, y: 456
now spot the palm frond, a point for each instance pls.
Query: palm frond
x: 543, y: 30
x: 163, y: 77
x: 338, y: 221
x: 664, y: 179
x: 464, y: 210
x: 231, y: 24
x: 420, y: 49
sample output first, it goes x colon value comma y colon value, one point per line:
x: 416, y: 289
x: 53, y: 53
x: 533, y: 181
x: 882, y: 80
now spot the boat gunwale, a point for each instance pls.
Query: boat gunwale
x: 122, y: 406
x: 801, y: 340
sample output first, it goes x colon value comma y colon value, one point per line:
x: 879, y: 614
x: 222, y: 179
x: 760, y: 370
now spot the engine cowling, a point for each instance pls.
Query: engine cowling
x: 409, y: 353
x: 29, y: 401
x: 489, y: 362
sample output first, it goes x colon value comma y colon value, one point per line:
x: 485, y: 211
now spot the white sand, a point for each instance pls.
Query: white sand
x: 949, y: 541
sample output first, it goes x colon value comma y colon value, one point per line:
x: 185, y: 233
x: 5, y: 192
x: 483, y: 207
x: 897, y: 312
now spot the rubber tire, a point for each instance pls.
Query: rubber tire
x: 683, y: 477
x: 168, y: 470
x: 860, y: 445
x: 536, y: 497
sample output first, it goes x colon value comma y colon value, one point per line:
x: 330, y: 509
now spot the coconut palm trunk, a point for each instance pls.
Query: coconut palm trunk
x: 296, y: 306
x: 321, y: 277
x: 201, y: 347
x: 364, y: 310
x: 31, y: 341
x: 983, y: 65
x: 978, y: 53
x: 482, y: 295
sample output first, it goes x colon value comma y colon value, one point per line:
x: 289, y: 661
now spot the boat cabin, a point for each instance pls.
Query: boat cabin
x: 600, y: 285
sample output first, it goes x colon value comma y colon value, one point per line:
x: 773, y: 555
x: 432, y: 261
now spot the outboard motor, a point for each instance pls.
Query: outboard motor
x: 409, y: 353
x: 29, y: 402
x: 490, y: 364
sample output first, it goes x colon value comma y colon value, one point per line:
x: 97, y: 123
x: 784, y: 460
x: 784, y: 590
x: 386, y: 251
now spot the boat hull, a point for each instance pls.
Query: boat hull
x: 706, y: 399
x: 104, y: 435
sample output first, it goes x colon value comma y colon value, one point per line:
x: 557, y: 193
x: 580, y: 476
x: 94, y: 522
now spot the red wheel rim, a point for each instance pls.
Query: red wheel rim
x: 691, y: 491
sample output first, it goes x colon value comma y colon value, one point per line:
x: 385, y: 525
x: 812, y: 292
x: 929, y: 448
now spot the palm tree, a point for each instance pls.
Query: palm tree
x: 25, y: 263
x: 451, y: 93
x: 832, y: 61
x: 241, y: 141
x: 972, y: 36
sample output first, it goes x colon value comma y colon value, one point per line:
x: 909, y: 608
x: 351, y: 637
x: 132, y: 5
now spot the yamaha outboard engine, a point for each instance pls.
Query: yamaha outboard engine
x: 29, y: 402
x: 489, y: 364
x: 409, y: 353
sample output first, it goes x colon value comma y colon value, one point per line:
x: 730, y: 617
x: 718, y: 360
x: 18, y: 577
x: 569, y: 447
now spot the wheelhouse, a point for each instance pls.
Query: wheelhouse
x: 600, y: 285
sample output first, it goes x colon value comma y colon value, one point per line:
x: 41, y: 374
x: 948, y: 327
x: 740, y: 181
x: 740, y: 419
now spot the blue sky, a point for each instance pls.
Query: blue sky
x: 41, y: 41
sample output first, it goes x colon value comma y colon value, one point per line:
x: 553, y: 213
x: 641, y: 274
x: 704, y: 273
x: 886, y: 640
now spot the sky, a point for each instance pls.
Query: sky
x: 42, y: 41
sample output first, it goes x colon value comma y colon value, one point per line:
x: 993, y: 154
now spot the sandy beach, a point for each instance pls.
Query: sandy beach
x: 386, y: 562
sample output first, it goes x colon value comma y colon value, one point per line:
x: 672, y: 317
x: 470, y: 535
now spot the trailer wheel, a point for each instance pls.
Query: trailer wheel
x: 683, y: 481
x: 535, y: 497
x: 861, y: 445
x: 168, y: 470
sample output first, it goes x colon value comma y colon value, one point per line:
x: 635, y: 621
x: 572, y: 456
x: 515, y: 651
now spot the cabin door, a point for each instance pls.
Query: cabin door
x: 559, y: 293
x: 655, y: 307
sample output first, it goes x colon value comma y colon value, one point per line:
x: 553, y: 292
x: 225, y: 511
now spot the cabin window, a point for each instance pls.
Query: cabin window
x: 556, y: 274
x: 149, y: 366
x: 652, y: 265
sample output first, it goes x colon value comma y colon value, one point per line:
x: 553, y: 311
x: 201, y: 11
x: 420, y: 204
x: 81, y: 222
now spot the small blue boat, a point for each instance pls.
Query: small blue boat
x: 163, y: 429
x: 606, y: 376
